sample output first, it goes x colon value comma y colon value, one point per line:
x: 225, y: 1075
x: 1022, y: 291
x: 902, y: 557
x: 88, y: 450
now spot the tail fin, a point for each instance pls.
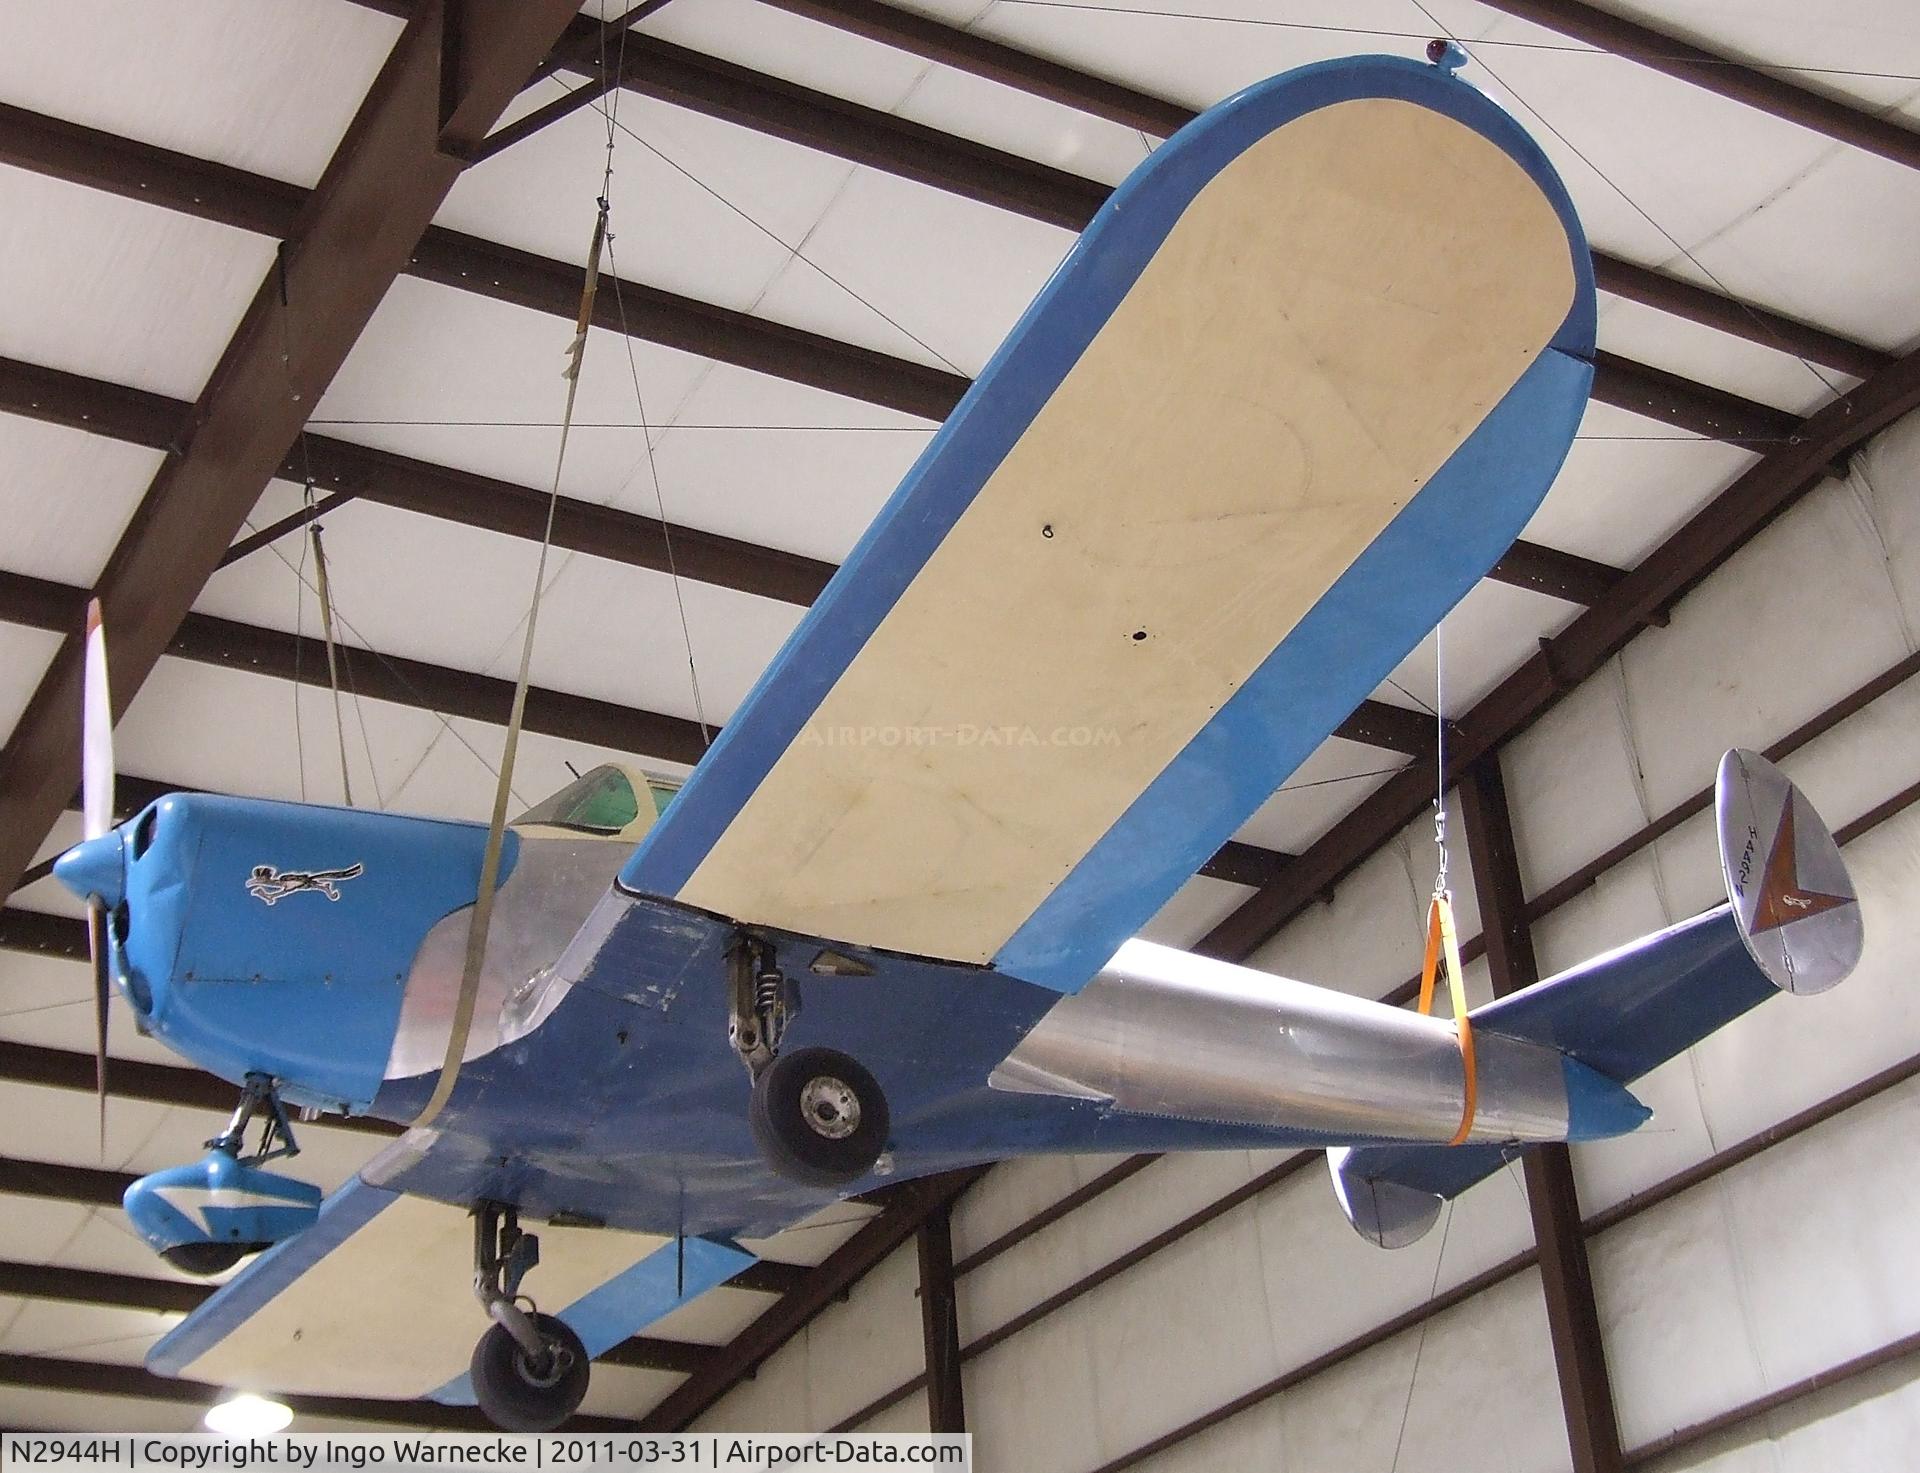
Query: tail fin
x: 1792, y: 924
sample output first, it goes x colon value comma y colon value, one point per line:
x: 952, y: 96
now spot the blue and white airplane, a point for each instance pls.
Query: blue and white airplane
x: 1298, y: 386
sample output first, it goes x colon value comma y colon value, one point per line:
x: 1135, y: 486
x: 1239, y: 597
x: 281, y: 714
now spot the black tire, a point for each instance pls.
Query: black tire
x: 819, y: 1117
x: 518, y: 1398
x: 204, y: 1259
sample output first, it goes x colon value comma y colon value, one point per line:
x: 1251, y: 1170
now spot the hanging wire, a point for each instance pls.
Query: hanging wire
x: 1512, y: 45
x: 794, y: 251
x: 299, y: 643
x: 1830, y: 386
x: 333, y: 654
x: 366, y: 741
x: 399, y: 676
x: 1420, y: 1342
x: 461, y: 1025
x: 660, y: 508
x: 1440, y: 890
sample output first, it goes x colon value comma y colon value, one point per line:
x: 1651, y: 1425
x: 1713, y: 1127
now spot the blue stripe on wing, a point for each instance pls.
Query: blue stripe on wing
x: 1392, y: 596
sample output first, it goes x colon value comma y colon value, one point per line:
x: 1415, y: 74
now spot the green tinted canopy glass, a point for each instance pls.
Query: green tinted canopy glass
x: 600, y: 802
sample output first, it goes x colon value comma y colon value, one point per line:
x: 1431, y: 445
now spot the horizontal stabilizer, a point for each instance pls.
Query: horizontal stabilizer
x: 1392, y: 1194
x: 1792, y: 924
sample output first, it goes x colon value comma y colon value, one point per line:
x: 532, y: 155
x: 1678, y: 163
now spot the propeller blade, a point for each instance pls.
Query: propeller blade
x: 97, y: 949
x: 96, y: 739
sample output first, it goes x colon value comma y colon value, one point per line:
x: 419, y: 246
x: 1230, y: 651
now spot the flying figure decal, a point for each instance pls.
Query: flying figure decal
x: 1782, y: 897
x: 269, y: 884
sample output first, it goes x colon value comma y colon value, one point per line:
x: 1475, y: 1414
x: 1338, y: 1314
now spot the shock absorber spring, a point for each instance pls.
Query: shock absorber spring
x: 766, y: 990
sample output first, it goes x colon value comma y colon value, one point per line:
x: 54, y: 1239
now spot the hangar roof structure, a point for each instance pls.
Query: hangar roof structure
x: 245, y: 294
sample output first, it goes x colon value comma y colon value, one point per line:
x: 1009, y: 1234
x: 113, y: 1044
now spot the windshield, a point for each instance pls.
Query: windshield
x: 601, y: 802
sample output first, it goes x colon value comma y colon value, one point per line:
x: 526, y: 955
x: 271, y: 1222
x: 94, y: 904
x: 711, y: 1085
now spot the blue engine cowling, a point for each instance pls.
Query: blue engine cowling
x: 205, y: 1216
x: 257, y: 937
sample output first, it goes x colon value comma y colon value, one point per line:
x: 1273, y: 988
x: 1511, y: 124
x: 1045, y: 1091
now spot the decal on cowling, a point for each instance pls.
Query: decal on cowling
x: 269, y: 884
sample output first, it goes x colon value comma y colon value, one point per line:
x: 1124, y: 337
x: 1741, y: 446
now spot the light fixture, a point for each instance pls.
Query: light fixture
x: 247, y: 1415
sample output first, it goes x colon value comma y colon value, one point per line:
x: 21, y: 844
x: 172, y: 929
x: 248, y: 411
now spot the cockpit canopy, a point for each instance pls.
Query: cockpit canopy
x: 607, y: 802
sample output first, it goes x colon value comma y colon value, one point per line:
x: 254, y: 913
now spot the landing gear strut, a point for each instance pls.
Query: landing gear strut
x: 818, y: 1115
x: 259, y: 1097
x: 529, y: 1371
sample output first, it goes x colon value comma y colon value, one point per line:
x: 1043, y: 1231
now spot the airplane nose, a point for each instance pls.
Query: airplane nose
x: 96, y: 867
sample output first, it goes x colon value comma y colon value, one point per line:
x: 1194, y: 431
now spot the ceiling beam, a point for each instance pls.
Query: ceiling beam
x: 95, y: 1186
x: 263, y: 206
x: 175, y: 1296
x: 42, y: 604
x: 141, y: 171
x: 341, y: 468
x: 1040, y: 77
x: 1699, y: 409
x: 1774, y: 482
x: 912, y: 1204
x: 392, y: 678
x: 1724, y: 75
x: 101, y: 1378
x: 1566, y: 1277
x: 860, y: 135
x: 135, y: 1079
x: 885, y: 141
x: 940, y: 1323
x: 450, y: 74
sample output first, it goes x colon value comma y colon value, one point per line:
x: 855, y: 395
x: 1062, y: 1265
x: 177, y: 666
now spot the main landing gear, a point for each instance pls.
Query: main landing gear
x: 529, y: 1371
x: 818, y: 1115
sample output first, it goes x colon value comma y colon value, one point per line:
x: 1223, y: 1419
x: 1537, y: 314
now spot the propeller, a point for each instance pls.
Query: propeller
x: 96, y: 804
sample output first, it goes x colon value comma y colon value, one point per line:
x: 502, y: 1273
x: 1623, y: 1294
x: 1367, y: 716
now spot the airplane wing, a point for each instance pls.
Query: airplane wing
x: 373, y: 1300
x: 1298, y: 386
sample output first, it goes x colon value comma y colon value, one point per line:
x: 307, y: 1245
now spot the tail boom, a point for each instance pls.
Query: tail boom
x: 1164, y: 1032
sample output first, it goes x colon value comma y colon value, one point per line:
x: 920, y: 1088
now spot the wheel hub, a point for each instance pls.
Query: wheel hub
x: 549, y: 1371
x: 830, y: 1107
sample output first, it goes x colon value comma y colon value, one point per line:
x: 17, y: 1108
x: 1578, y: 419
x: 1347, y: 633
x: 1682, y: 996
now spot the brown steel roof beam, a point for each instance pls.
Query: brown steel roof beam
x: 109, y: 1291
x: 274, y: 652
x: 884, y: 141
x: 342, y: 468
x: 1700, y: 409
x: 173, y: 1296
x: 101, y: 1378
x: 543, y: 285
x: 448, y: 77
x: 1737, y: 1419
x: 41, y: 934
x: 826, y: 124
x: 1726, y: 76
x: 209, y: 640
x: 940, y: 1323
x: 1713, y: 534
x: 99, y: 1187
x: 44, y: 605
x: 1597, y: 1222
x: 860, y: 135
x: 1566, y: 1277
x: 135, y: 1079
x: 998, y: 62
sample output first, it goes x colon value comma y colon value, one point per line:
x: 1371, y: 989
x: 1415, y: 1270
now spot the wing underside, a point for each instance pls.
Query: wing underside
x: 1300, y: 383
x: 375, y: 1299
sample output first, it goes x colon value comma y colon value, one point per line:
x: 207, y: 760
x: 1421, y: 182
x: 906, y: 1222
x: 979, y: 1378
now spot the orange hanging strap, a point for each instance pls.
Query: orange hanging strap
x: 1443, y: 944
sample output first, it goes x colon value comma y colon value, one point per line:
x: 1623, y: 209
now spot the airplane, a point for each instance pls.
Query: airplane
x: 1299, y: 384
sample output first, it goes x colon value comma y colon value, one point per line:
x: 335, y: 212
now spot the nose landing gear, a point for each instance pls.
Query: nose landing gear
x: 818, y: 1115
x: 529, y: 1371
